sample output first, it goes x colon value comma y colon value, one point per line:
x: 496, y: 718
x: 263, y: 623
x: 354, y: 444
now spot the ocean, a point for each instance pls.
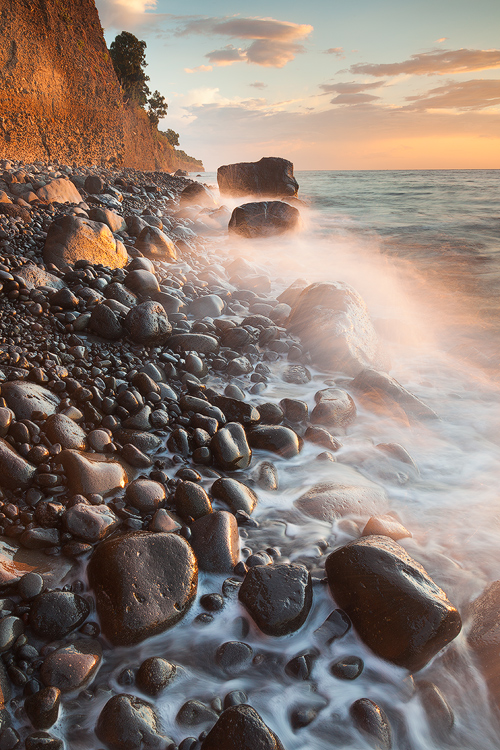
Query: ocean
x: 423, y: 249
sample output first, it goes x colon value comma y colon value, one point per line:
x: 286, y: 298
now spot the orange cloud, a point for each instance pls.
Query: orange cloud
x: 199, y: 69
x: 337, y: 51
x: 430, y: 63
x: 466, y: 95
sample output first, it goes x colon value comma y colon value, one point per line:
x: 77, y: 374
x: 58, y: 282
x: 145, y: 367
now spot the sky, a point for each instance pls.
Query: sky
x: 393, y: 84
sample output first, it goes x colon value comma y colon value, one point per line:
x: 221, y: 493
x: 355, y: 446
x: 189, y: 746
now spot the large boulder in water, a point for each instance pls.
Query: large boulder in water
x: 396, y: 608
x: 71, y: 238
x: 264, y: 219
x: 143, y: 582
x: 241, y: 727
x: 271, y: 176
x: 333, y: 322
x: 381, y: 388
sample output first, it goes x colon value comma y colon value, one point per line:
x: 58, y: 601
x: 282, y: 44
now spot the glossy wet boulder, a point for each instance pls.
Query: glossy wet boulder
x: 26, y: 398
x: 92, y: 473
x: 264, y: 219
x: 275, y: 438
x: 278, y: 597
x: 15, y: 471
x: 73, y: 666
x: 396, y: 608
x: 241, y: 727
x: 333, y: 323
x: 61, y: 429
x: 236, y: 495
x: 54, y: 614
x: 129, y: 723
x: 215, y: 542
x: 71, y: 238
x: 230, y: 448
x: 148, y: 324
x: 271, y: 176
x: 334, y: 408
x: 143, y: 582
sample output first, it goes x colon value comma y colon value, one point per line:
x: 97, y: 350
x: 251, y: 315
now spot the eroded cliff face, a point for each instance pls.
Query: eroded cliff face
x: 59, y: 95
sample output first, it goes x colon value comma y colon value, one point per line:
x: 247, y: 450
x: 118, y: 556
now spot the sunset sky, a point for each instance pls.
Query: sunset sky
x: 328, y: 85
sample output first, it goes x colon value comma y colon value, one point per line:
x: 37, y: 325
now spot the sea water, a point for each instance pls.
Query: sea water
x: 423, y: 249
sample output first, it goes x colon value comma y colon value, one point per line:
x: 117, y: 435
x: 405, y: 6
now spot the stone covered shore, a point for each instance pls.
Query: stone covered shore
x: 135, y: 438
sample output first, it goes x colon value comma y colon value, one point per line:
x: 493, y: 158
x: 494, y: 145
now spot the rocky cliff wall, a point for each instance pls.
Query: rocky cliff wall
x: 59, y: 95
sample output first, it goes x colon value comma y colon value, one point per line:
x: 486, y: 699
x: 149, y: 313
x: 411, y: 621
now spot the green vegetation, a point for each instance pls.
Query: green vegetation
x: 195, y: 163
x: 171, y: 136
x: 129, y: 60
x: 157, y: 108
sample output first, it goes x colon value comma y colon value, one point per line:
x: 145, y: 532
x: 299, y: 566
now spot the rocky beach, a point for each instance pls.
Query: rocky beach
x: 162, y: 399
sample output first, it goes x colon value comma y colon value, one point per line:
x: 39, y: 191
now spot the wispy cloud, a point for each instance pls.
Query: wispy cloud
x: 350, y: 87
x: 124, y: 13
x: 465, y: 95
x: 199, y: 69
x: 273, y: 43
x: 442, y: 39
x: 337, y: 51
x: 258, y: 85
x: 436, y: 61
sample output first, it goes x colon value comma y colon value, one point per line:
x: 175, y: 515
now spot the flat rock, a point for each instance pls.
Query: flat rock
x: 61, y: 429
x: 90, y: 523
x: 379, y: 385
x: 59, y: 190
x: 15, y: 471
x: 16, y: 561
x: 72, y: 238
x: 143, y: 582
x: 26, y: 398
x: 241, y: 727
x: 34, y: 277
x: 263, y: 219
x: 396, y: 608
x: 215, y: 541
x: 72, y: 667
x: 347, y: 493
x: 92, y: 473
x: 271, y: 176
x: 333, y: 323
x: 153, y: 243
x: 129, y: 723
x: 278, y: 597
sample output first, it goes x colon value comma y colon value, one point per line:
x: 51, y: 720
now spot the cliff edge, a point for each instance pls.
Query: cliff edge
x: 59, y: 94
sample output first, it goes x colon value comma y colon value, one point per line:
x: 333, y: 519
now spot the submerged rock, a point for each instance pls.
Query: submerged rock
x: 372, y: 723
x: 334, y: 408
x: 264, y: 219
x: 396, y: 608
x: 381, y: 386
x: 278, y: 597
x: 143, y: 582
x: 241, y: 727
x: 332, y: 320
x: 271, y: 176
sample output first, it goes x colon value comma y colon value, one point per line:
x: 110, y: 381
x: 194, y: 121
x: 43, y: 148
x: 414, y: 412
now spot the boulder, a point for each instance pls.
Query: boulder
x: 197, y: 194
x: 129, y: 723
x: 396, y: 608
x: 153, y: 243
x: 90, y: 523
x: 144, y: 583
x: 271, y: 176
x: 61, y: 429
x: 93, y: 184
x: 54, y: 614
x: 263, y: 219
x: 216, y: 542
x: 275, y: 438
x: 15, y: 471
x: 278, y: 597
x: 73, y: 666
x: 71, y: 238
x: 230, y: 448
x: 92, y: 473
x: 334, y: 408
x: 484, y: 636
x: 236, y: 495
x: 347, y: 493
x: 105, y: 323
x: 332, y: 320
x: 379, y: 386
x: 147, y: 323
x: 34, y: 277
x: 59, y: 190
x: 105, y: 216
x: 241, y: 727
x: 26, y: 398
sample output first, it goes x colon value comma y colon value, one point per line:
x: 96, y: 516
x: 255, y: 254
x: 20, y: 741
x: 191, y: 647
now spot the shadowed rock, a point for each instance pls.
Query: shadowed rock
x: 216, y: 542
x: 264, y: 219
x: 15, y: 471
x: 241, y: 727
x: 72, y: 667
x: 129, y: 723
x: 396, y: 608
x: 271, y: 176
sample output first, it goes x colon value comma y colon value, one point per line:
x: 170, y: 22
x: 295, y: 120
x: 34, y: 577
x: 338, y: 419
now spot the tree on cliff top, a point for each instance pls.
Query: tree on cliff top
x: 129, y: 60
x: 157, y: 108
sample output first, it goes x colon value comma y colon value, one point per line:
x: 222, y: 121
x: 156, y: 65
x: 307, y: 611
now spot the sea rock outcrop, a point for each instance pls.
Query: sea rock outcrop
x: 271, y: 176
x: 264, y: 219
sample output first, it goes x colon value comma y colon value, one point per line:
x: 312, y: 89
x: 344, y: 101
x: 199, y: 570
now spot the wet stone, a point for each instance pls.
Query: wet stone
x: 143, y: 582
x: 194, y: 712
x: 92, y: 473
x: 215, y: 541
x: 320, y: 436
x: 72, y: 667
x: 438, y: 710
x: 142, y: 282
x: 385, y: 526
x: 296, y: 374
x: 54, y: 614
x: 347, y: 668
x: 294, y: 410
x: 370, y: 720
x: 63, y: 430
x: 154, y: 675
x: 336, y: 625
x: 90, y: 523
x: 164, y: 521
x: 278, y: 597
x: 145, y: 495
x: 127, y: 722
x: 195, y: 342
x: 42, y: 708
x: 30, y: 586
x: 300, y: 667
x: 148, y: 324
x: 15, y: 471
x: 241, y: 727
x: 236, y: 495
x: 43, y: 741
x: 191, y: 500
x: 396, y: 608
x: 234, y: 657
x: 277, y: 439
x: 10, y: 629
x: 334, y: 408
x: 230, y: 448
x: 26, y: 398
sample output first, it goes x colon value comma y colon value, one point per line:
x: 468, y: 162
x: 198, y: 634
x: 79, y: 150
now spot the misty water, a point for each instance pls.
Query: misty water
x: 423, y: 249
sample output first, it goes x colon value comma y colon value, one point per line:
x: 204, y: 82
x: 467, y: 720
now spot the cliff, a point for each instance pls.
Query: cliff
x: 59, y: 94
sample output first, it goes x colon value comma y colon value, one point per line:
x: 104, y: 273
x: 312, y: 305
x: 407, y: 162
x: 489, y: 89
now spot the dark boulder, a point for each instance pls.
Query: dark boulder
x: 42, y: 708
x: 264, y: 219
x: 25, y: 398
x: 144, y: 583
x: 277, y: 439
x: 278, y: 597
x: 153, y: 243
x: 271, y: 176
x: 216, y: 542
x: 148, y: 324
x: 333, y: 322
x: 15, y: 471
x: 73, y: 666
x: 105, y: 323
x: 396, y: 608
x: 236, y: 495
x: 230, y: 448
x: 54, y: 614
x: 154, y: 675
x: 241, y: 727
x: 198, y: 194
x: 191, y: 500
x: 129, y: 723
x: 372, y: 723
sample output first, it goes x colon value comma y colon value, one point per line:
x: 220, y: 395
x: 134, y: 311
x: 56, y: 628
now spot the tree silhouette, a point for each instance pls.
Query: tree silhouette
x: 129, y: 60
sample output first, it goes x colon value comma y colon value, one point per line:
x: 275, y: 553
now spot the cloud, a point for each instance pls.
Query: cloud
x: 353, y: 99
x: 442, y: 39
x: 467, y: 95
x: 258, y: 85
x: 437, y: 61
x: 123, y: 13
x: 273, y: 43
x: 350, y: 87
x: 199, y: 69
x: 337, y: 51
